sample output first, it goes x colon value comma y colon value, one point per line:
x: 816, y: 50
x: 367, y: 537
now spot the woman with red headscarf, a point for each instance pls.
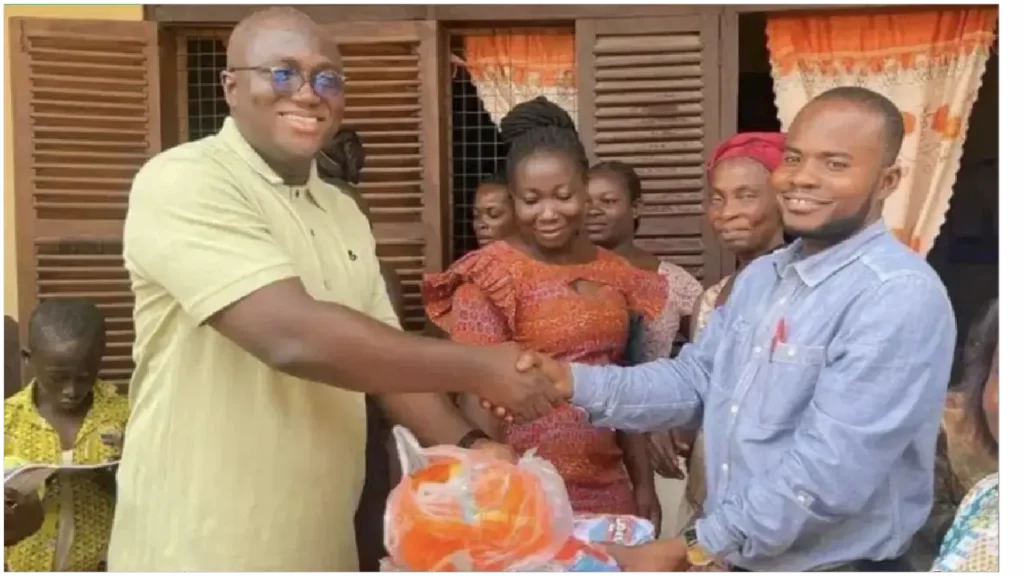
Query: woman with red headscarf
x: 741, y: 207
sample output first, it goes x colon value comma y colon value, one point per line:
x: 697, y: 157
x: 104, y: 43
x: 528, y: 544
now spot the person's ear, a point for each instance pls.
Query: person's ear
x: 229, y: 82
x: 889, y: 181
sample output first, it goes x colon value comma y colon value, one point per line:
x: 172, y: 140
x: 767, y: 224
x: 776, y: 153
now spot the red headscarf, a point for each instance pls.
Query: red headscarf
x: 764, y: 148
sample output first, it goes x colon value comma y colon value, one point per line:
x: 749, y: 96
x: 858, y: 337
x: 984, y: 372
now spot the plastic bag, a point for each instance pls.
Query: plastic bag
x: 583, y: 551
x: 460, y: 510
x: 624, y: 530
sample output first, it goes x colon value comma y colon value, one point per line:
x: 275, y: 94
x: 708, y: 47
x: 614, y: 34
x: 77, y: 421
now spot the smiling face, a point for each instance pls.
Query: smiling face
x: 742, y: 207
x: 832, y: 181
x: 285, y: 124
x: 550, y: 199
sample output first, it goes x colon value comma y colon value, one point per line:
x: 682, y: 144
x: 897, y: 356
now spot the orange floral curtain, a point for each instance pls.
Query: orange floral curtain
x: 508, y: 69
x: 929, y: 62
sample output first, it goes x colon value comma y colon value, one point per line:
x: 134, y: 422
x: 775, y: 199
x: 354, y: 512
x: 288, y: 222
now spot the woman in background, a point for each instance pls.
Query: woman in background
x: 548, y: 288
x: 493, y: 218
x: 612, y: 221
x: 66, y: 415
x: 742, y: 207
x: 972, y: 542
x: 615, y: 199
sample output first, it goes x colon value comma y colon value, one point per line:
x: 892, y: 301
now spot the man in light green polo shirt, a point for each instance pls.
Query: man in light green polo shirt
x: 261, y: 320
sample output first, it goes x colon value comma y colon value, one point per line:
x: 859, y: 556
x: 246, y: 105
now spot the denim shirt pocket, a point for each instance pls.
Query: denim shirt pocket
x: 791, y: 376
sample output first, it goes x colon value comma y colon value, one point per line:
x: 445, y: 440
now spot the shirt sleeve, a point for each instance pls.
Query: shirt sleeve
x: 657, y: 395
x: 381, y: 307
x: 882, y: 387
x: 193, y: 231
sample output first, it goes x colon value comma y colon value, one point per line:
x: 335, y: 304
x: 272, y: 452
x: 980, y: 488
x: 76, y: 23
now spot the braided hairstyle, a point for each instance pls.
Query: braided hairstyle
x: 540, y: 125
x: 343, y: 157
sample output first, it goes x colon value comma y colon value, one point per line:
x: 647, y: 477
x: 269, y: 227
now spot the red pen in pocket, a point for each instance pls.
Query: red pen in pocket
x: 780, y: 334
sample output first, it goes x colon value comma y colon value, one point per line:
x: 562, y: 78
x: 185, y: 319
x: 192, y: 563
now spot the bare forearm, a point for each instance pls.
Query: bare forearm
x: 394, y: 286
x: 431, y: 417
x: 637, y: 460
x: 481, y: 418
x: 344, y: 348
x: 333, y: 344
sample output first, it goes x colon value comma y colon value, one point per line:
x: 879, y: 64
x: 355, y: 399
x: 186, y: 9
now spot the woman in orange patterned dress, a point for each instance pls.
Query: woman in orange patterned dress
x: 548, y: 288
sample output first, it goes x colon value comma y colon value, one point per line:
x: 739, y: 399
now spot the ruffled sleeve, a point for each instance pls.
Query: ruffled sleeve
x: 474, y: 300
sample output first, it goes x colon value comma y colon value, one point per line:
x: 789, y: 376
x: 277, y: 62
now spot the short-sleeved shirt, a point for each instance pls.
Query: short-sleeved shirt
x: 230, y: 465
x: 30, y: 439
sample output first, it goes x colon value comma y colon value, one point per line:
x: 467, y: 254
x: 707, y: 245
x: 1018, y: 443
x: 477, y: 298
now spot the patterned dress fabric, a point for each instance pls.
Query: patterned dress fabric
x: 972, y: 543
x: 30, y: 438
x: 577, y: 313
x: 683, y: 291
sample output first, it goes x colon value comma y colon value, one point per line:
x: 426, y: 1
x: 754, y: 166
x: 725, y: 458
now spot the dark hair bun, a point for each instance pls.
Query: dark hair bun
x: 532, y: 115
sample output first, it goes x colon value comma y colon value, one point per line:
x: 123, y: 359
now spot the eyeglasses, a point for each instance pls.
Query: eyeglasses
x: 286, y: 80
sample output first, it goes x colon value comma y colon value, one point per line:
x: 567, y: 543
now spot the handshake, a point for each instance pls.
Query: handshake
x: 521, y: 384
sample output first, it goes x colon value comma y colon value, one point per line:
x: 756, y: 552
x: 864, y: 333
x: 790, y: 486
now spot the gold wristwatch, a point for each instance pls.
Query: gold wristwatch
x: 696, y: 555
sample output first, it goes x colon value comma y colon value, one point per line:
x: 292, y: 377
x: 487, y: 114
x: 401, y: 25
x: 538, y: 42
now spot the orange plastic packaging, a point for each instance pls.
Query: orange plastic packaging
x: 458, y: 510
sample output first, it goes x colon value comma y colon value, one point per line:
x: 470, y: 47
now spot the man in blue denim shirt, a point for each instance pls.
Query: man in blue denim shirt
x: 820, y: 386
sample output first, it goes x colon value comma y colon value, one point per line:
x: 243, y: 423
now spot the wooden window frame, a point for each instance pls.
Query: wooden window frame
x: 46, y: 114
x: 716, y: 262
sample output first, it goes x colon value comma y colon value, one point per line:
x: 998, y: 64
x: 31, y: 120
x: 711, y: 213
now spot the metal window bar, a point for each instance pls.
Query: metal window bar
x: 202, y: 56
x: 477, y: 150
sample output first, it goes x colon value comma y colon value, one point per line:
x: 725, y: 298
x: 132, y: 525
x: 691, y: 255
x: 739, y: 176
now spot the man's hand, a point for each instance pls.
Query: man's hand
x: 522, y: 387
x: 23, y: 515
x: 558, y: 373
x: 665, y: 455
x: 647, y: 505
x: 658, y: 556
x: 496, y: 450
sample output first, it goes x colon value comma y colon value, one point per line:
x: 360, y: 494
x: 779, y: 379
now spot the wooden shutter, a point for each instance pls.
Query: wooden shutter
x: 649, y: 96
x: 391, y: 100
x: 86, y: 117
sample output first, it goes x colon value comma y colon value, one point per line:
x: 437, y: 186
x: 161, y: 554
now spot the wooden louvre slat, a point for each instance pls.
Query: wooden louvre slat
x: 648, y: 96
x: 86, y: 112
x: 391, y: 101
